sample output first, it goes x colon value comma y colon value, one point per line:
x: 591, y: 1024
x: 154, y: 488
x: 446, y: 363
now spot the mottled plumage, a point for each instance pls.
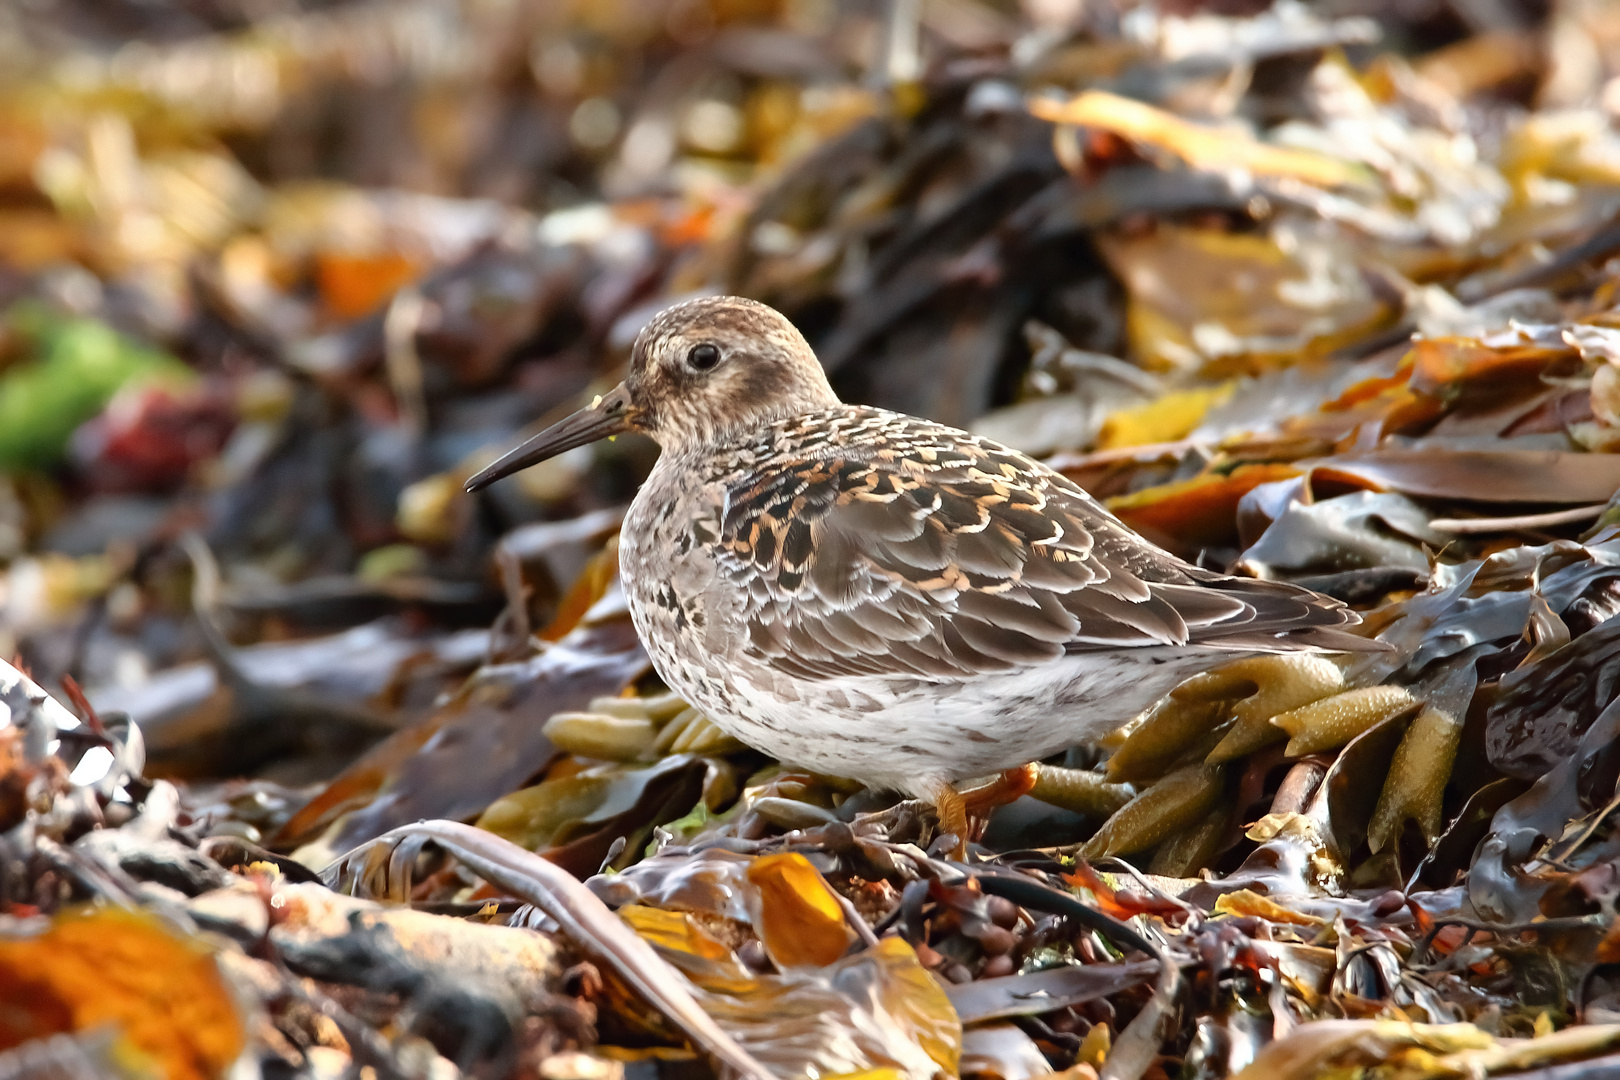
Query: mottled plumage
x: 884, y: 598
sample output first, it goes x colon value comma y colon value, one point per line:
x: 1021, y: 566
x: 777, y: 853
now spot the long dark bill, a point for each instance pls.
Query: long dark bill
x: 608, y: 415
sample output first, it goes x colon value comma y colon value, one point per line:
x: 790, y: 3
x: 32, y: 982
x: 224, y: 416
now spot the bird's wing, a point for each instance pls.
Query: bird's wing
x: 936, y: 554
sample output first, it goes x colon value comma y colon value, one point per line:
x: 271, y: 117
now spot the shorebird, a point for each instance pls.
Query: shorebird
x: 875, y: 596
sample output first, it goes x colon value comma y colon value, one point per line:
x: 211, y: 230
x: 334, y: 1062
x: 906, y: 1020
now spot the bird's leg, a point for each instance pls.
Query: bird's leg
x: 1010, y: 786
x: 963, y: 813
x: 953, y: 818
x: 950, y: 810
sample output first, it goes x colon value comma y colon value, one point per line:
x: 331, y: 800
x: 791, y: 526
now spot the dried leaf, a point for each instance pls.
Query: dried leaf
x: 482, y: 744
x: 875, y: 1009
x: 1201, y: 147
x: 1312, y: 1049
x: 377, y: 868
x: 576, y: 819
x: 162, y: 993
x: 1248, y: 902
x: 1220, y: 303
x: 356, y: 285
x: 1164, y: 419
x: 1363, y: 529
x: 600, y: 575
x: 1492, y: 476
x: 1202, y: 510
x: 800, y: 921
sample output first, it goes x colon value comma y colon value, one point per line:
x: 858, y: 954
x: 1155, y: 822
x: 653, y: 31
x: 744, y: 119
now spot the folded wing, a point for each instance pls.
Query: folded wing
x: 934, y: 554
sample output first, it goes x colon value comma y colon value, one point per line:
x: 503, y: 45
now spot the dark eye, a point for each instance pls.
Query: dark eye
x: 703, y: 357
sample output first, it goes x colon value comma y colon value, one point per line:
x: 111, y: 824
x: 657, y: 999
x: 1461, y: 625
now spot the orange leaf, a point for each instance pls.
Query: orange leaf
x: 586, y: 590
x: 1202, y: 510
x: 1120, y: 903
x: 800, y: 922
x: 1371, y: 389
x: 1438, y: 363
x: 692, y: 227
x: 162, y: 992
x: 356, y: 285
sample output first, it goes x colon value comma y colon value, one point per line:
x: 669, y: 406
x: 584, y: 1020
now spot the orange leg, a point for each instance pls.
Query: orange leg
x: 964, y: 814
x: 953, y: 818
x: 1010, y: 786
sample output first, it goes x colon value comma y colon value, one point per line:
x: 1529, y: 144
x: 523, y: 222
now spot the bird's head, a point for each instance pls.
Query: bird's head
x: 701, y: 372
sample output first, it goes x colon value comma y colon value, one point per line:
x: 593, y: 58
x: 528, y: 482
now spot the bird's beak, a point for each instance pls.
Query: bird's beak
x: 607, y: 415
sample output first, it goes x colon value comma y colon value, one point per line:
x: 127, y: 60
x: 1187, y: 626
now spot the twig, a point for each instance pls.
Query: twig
x: 1572, y: 922
x: 864, y: 932
x: 1464, y: 526
x: 1592, y: 826
x: 516, y: 612
x: 400, y: 359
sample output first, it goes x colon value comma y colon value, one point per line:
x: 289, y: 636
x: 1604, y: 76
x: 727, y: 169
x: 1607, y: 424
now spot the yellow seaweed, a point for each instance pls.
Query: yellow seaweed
x: 1080, y: 790
x: 1330, y: 723
x: 1184, y: 854
x: 1174, y: 803
x: 1163, y: 736
x: 598, y: 735
x: 1285, y: 682
x: 1417, y: 779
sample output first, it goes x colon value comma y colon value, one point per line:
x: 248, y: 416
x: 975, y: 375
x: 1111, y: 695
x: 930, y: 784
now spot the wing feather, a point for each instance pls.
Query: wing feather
x: 921, y: 550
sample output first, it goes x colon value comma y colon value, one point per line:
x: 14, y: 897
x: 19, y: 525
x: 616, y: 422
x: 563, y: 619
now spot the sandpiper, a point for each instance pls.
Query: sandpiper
x: 875, y: 596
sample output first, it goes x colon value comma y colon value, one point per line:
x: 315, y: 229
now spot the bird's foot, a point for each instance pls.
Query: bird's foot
x: 964, y: 814
x: 953, y: 819
x: 1010, y: 786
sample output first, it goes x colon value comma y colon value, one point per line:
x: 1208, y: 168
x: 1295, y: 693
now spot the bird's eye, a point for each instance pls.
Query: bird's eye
x: 703, y: 357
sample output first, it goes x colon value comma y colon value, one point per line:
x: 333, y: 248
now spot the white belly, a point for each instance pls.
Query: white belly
x: 904, y: 738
